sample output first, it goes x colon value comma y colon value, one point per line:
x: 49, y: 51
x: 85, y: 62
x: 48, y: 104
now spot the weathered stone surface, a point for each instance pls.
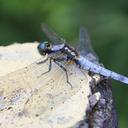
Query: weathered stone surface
x: 28, y: 99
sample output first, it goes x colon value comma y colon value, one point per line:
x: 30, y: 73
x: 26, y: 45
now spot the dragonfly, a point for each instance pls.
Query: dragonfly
x: 84, y: 56
x: 24, y: 94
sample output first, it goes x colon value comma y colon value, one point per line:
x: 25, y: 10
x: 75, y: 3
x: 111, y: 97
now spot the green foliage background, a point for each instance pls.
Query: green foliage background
x: 106, y: 21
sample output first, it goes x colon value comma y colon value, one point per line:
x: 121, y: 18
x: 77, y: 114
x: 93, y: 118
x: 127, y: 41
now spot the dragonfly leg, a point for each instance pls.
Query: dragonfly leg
x: 64, y: 69
x: 50, y: 67
x: 43, y: 61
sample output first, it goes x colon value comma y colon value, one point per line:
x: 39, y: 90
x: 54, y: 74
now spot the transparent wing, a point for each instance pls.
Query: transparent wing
x: 27, y: 85
x: 85, y: 47
x: 53, y: 37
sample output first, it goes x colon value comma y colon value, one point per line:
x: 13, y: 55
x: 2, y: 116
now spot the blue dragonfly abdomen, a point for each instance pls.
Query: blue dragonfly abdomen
x: 90, y: 66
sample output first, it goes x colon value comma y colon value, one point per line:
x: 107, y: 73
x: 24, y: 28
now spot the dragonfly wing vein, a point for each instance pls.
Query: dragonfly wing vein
x: 53, y: 36
x: 85, y: 46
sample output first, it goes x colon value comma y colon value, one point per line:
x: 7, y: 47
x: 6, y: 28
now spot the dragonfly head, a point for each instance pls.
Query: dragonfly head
x: 44, y: 48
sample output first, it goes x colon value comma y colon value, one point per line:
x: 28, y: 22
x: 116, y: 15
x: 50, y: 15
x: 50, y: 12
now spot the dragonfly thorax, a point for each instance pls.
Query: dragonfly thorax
x: 70, y: 52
